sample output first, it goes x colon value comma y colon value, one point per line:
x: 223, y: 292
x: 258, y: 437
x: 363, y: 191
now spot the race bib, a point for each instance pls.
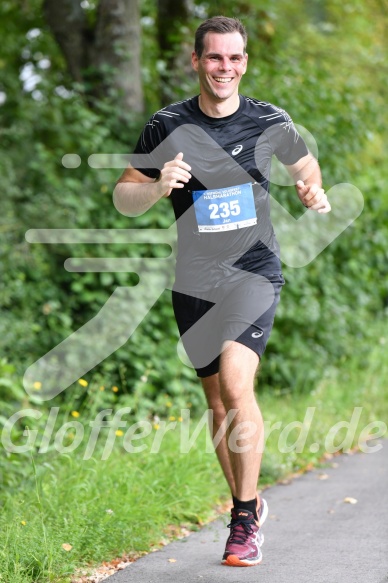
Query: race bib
x: 225, y: 209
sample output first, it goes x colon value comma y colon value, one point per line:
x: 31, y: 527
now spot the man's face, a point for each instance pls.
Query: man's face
x: 221, y: 65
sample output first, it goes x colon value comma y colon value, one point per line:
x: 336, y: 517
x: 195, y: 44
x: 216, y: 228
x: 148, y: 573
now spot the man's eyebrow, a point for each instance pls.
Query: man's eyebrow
x: 219, y: 55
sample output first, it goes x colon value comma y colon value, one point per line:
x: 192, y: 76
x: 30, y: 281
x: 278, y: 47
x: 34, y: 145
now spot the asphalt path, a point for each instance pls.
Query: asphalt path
x: 329, y: 525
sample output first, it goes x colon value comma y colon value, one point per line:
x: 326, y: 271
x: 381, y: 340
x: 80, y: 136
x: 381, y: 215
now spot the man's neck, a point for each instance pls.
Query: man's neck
x: 221, y: 109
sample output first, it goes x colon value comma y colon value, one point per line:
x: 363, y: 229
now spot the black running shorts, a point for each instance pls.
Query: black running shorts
x: 243, y: 312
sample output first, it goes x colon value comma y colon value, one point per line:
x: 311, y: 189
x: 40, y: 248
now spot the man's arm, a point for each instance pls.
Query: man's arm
x: 308, y: 181
x: 135, y: 192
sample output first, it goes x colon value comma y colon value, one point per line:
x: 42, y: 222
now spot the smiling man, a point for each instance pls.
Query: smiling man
x: 220, y: 65
x: 228, y: 272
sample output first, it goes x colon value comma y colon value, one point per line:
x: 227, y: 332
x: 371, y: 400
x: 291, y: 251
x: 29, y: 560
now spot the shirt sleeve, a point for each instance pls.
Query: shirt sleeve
x: 146, y: 158
x: 287, y: 144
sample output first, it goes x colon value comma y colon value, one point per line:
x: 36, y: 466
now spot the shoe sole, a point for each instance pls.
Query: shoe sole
x: 234, y: 561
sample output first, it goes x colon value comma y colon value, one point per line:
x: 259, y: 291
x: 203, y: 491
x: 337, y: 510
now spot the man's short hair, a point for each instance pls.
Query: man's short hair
x: 220, y: 25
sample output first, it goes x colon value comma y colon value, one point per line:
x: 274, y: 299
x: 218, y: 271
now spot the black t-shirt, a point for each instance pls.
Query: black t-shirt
x: 223, y: 153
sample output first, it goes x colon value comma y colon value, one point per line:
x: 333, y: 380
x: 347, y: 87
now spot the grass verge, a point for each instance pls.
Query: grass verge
x: 63, y: 512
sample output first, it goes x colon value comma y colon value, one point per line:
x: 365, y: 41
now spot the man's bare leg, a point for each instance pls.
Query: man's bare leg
x: 211, y: 386
x: 233, y: 388
x: 238, y: 367
x: 240, y: 450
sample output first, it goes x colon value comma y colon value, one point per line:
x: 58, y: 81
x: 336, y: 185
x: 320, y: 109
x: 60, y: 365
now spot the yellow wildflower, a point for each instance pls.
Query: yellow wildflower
x: 119, y: 433
x: 115, y: 389
x: 83, y: 383
x: 156, y: 426
x: 75, y: 413
x: 23, y: 522
x: 180, y: 419
x: 168, y: 404
x: 172, y: 418
x: 37, y: 385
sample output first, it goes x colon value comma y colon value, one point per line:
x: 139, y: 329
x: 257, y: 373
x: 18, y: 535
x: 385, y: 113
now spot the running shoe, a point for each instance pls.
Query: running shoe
x: 245, y: 538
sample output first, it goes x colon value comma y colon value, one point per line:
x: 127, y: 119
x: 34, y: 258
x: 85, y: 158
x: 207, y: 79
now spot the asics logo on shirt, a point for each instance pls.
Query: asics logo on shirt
x: 237, y: 150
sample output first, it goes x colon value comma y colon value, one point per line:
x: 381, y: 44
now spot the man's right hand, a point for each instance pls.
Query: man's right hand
x: 174, y: 174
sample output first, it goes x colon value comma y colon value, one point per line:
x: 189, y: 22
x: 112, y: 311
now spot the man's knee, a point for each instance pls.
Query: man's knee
x: 238, y: 368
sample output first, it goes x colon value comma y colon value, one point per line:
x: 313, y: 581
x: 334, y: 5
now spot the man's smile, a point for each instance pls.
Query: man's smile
x: 223, y: 79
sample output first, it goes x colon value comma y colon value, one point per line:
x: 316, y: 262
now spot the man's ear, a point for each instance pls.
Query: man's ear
x: 194, y: 60
x: 246, y: 63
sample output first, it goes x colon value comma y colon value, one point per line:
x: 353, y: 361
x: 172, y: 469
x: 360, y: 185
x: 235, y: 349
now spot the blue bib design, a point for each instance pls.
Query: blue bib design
x: 225, y: 209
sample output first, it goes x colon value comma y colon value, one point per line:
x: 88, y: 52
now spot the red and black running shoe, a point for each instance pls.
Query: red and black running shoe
x: 245, y: 538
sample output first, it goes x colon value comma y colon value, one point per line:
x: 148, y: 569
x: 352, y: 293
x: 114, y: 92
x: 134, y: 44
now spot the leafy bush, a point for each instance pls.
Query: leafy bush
x: 293, y: 66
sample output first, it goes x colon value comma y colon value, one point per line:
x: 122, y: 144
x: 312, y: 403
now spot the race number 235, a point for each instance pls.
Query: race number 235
x: 224, y: 209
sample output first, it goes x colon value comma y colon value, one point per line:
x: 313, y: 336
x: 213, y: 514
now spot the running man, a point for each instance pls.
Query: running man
x: 211, y: 156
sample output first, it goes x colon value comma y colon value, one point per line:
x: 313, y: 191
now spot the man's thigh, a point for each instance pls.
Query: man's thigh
x: 238, y: 365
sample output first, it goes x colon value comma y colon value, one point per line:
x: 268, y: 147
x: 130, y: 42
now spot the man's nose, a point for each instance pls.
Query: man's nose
x: 225, y: 64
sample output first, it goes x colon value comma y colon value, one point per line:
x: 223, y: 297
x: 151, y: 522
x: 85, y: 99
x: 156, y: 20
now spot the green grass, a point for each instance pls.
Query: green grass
x: 344, y: 403
x: 104, y: 508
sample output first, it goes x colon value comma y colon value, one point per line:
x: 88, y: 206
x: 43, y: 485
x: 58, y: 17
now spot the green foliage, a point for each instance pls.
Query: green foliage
x: 302, y: 57
x: 323, y: 62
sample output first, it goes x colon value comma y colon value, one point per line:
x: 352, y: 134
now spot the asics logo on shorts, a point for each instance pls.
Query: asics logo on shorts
x: 257, y: 334
x: 237, y: 150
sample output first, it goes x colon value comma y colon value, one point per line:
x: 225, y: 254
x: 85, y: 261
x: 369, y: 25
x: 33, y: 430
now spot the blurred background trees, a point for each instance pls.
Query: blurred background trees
x: 82, y: 77
x: 102, y: 53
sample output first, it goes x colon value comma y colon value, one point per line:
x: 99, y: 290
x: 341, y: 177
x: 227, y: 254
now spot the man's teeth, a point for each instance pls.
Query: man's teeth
x: 223, y: 79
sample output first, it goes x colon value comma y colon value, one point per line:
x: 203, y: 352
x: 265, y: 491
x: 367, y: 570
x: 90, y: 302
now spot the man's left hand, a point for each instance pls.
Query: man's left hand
x: 313, y: 197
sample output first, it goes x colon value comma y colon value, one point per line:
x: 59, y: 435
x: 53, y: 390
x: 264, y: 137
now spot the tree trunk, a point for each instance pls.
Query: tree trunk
x: 67, y: 21
x: 117, y: 52
x: 104, y: 58
x: 174, y: 46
